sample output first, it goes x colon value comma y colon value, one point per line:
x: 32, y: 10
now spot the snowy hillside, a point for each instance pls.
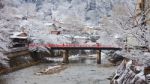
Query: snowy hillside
x: 75, y: 16
x: 88, y: 11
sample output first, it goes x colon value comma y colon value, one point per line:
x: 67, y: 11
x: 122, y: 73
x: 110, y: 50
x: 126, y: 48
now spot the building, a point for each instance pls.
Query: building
x: 56, y: 32
x: 19, y: 39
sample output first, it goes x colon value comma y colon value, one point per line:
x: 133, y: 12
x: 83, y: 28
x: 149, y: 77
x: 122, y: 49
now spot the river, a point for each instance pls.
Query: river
x: 83, y: 70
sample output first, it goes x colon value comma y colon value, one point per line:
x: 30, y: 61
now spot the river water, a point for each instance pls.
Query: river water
x: 82, y: 70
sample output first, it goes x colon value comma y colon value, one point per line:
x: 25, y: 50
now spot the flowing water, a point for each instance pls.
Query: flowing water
x: 82, y: 70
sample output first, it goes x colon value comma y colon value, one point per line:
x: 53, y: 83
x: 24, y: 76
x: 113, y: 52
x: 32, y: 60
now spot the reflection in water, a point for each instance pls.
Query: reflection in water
x: 83, y: 60
x: 88, y: 60
x: 3, y: 81
x: 82, y: 70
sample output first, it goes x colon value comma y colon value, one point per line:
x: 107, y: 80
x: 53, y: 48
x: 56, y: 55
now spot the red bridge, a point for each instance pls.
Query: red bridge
x: 67, y: 47
x: 76, y: 46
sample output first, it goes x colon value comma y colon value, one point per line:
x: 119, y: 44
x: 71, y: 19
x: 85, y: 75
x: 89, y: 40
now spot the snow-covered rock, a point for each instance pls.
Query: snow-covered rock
x: 129, y: 73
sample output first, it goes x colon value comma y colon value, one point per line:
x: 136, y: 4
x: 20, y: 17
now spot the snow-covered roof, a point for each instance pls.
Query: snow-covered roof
x: 117, y: 36
x: 69, y: 36
x: 17, y: 16
x: 18, y: 35
x: 48, y: 24
x: 80, y: 37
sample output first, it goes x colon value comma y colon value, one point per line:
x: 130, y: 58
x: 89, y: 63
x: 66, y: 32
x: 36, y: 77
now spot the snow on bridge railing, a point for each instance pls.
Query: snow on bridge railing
x: 69, y: 45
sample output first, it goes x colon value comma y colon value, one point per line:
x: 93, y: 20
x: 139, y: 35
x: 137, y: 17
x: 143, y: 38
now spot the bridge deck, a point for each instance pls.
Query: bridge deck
x: 85, y: 48
x: 76, y: 46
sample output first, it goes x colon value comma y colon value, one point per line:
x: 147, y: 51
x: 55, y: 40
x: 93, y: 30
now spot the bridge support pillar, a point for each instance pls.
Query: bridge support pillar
x: 52, y: 52
x: 65, y: 56
x: 98, y: 52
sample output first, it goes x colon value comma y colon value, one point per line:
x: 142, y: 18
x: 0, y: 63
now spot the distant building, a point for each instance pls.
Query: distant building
x: 56, y: 32
x: 19, y: 39
x: 80, y: 39
x: 88, y: 30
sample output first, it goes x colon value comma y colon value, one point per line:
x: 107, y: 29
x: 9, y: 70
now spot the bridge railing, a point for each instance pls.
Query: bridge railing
x: 68, y: 45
